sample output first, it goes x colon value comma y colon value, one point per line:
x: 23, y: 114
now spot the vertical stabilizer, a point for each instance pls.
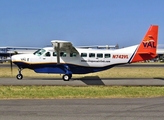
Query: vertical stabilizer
x: 148, y: 46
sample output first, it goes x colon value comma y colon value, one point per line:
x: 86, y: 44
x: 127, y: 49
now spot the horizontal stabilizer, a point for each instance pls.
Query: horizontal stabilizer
x: 141, y: 53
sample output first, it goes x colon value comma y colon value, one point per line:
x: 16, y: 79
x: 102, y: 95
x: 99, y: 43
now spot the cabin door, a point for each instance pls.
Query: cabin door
x: 46, y: 57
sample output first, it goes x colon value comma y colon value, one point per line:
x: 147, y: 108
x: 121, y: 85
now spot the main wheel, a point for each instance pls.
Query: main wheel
x: 66, y: 77
x: 19, y: 76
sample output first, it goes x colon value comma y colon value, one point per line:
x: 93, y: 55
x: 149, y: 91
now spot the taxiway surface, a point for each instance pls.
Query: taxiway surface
x: 83, y: 109
x: 84, y: 81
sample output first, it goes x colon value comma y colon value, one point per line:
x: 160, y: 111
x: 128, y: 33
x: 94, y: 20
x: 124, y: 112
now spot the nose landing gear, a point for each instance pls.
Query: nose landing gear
x: 19, y: 76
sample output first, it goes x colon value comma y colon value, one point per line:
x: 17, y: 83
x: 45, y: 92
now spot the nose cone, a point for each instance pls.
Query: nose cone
x: 21, y: 58
x: 15, y: 58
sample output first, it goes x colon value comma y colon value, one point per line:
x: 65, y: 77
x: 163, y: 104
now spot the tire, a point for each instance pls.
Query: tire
x: 19, y: 76
x: 66, y: 77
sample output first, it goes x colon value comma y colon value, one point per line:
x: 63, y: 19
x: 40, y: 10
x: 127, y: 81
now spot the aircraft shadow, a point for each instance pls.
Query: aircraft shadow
x: 88, y: 80
x: 158, y: 78
x: 91, y: 80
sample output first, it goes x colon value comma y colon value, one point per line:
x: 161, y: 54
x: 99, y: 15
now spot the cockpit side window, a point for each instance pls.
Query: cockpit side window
x: 39, y: 52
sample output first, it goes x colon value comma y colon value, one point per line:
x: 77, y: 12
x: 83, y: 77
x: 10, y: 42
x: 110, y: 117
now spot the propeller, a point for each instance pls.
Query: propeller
x: 11, y: 65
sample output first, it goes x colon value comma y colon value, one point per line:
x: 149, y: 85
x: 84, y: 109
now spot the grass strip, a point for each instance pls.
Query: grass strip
x: 62, y: 92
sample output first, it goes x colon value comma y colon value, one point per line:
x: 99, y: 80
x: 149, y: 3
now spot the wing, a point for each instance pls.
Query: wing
x: 60, y: 45
x: 99, y: 47
x: 63, y: 46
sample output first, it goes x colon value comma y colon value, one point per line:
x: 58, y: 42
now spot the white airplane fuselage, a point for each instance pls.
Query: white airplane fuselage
x: 94, y: 60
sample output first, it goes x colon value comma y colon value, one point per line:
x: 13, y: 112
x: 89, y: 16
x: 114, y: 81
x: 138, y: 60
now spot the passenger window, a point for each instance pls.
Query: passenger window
x: 54, y: 54
x: 48, y: 54
x: 99, y: 55
x: 63, y: 54
x: 91, y: 54
x: 83, y: 54
x: 107, y: 55
x: 72, y: 54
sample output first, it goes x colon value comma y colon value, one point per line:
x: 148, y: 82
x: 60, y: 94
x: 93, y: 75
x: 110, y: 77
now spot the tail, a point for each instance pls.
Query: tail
x: 148, y: 46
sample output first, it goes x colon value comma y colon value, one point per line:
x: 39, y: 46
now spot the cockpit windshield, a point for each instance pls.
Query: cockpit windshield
x: 39, y: 52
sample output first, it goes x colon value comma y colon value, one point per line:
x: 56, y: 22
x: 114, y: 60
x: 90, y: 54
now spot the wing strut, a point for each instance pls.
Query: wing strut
x: 64, y: 46
x: 57, y: 46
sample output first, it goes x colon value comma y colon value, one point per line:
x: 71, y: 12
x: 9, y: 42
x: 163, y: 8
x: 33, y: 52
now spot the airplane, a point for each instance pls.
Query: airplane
x: 63, y: 58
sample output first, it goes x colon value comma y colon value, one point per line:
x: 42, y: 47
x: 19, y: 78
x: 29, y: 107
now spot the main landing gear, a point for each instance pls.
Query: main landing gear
x: 19, y: 76
x: 67, y: 77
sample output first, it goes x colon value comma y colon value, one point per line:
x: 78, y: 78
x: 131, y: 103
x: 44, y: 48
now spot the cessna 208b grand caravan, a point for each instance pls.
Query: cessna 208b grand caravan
x: 64, y: 58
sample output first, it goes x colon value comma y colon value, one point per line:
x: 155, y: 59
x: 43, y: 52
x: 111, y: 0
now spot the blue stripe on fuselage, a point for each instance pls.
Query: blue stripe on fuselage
x: 62, y: 68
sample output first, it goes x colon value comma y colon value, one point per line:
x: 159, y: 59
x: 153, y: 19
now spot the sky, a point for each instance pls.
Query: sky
x: 34, y: 23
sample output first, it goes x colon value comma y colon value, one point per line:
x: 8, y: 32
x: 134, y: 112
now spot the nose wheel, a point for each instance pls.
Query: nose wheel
x: 19, y: 76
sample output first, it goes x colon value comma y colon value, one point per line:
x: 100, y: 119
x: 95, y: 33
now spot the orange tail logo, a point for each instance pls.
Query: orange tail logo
x: 147, y: 48
x: 149, y: 42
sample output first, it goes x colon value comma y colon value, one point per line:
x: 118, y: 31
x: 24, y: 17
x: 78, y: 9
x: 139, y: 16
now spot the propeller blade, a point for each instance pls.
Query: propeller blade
x: 11, y: 65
